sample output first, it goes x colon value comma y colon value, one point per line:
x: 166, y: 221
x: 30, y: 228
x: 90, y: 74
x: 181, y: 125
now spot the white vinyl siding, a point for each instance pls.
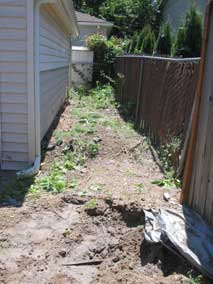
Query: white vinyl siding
x: 13, y: 85
x: 54, y: 67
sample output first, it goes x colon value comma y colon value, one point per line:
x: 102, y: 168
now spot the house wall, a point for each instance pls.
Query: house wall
x: 13, y: 85
x: 175, y: 11
x: 85, y: 31
x: 54, y: 66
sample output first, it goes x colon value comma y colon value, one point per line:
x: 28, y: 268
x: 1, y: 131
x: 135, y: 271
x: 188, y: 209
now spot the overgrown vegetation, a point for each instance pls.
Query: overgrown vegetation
x: 189, y: 38
x: 139, y: 29
x: 105, y: 52
x: 164, y: 41
x: 187, y: 42
x: 82, y: 143
x: 169, y: 155
x: 128, y: 16
x: 195, y: 279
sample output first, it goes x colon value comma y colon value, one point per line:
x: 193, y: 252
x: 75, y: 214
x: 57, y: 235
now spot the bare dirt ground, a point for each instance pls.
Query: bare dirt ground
x: 92, y: 232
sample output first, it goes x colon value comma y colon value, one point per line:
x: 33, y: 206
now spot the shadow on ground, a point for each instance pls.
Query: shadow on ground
x: 13, y: 191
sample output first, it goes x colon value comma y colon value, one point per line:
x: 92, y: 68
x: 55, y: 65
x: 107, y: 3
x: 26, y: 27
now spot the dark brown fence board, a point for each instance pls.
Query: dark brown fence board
x: 163, y: 90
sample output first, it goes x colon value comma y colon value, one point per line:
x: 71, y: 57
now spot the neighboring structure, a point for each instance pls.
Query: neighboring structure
x: 89, y: 25
x: 82, y: 66
x: 35, y: 49
x: 175, y: 11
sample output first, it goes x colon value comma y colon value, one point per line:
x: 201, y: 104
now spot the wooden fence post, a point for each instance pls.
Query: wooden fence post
x: 195, y: 119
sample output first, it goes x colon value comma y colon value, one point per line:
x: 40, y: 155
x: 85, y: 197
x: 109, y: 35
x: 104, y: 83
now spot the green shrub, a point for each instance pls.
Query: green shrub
x: 189, y: 36
x: 148, y: 41
x: 105, y: 52
x: 164, y: 42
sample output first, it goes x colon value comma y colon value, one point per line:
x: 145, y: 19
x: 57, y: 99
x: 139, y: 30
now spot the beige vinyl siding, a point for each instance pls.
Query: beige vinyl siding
x: 54, y: 67
x: 13, y: 84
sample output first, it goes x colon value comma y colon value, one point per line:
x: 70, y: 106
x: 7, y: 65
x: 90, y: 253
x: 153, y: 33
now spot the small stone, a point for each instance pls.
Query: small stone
x: 50, y: 147
x: 97, y: 140
x: 62, y: 253
x: 116, y: 259
x: 166, y: 196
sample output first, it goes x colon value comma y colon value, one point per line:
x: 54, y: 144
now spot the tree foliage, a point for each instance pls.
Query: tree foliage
x: 149, y: 41
x: 78, y: 4
x: 189, y: 36
x: 164, y: 41
x: 129, y: 16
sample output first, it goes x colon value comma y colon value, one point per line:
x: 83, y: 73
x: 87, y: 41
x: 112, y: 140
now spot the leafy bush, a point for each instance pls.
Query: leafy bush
x: 189, y: 36
x: 164, y: 41
x: 105, y: 52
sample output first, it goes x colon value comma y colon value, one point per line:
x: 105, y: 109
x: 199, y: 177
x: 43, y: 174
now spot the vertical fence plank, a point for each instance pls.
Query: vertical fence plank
x: 163, y: 92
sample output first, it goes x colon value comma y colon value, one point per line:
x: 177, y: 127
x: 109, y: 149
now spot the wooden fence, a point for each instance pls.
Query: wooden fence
x: 198, y: 177
x: 162, y: 90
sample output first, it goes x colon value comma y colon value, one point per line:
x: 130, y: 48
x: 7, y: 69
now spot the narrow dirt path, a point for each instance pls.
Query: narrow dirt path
x: 91, y: 231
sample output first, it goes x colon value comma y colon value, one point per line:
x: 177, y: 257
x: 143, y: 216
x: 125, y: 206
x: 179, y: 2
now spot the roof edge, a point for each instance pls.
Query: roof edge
x: 107, y: 24
x: 66, y: 12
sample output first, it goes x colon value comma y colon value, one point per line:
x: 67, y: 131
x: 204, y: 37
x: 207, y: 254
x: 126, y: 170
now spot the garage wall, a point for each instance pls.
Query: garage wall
x: 54, y: 66
x: 13, y: 85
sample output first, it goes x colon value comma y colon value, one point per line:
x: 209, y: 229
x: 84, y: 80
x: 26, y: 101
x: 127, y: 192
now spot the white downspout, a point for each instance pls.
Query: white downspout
x: 34, y: 169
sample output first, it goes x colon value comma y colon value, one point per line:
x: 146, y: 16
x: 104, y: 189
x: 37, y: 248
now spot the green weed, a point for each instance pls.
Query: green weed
x: 103, y: 96
x: 140, y: 187
x: 168, y: 182
x: 169, y: 154
x: 91, y: 204
x: 195, y: 279
x: 128, y: 173
x: 54, y: 182
x: 60, y: 135
x: 96, y: 187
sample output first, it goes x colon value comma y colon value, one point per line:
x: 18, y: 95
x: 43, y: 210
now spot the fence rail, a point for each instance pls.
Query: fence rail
x: 162, y: 90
